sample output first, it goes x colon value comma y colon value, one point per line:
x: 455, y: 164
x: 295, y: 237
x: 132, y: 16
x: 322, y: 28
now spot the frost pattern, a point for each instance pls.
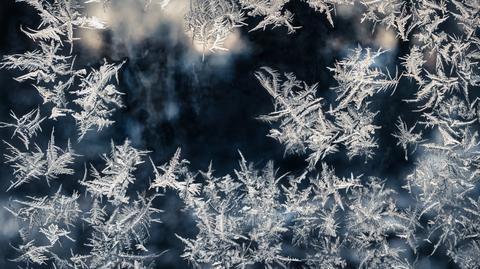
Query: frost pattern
x: 210, y: 22
x: 305, y: 125
x: 26, y: 126
x: 117, y: 231
x: 253, y: 217
x: 96, y: 98
x: 407, y: 137
x: 36, y: 163
x: 272, y: 13
x: 114, y: 179
x: 52, y: 69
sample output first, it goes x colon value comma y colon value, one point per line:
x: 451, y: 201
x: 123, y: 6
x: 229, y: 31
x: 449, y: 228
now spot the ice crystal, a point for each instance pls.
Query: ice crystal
x: 114, y: 179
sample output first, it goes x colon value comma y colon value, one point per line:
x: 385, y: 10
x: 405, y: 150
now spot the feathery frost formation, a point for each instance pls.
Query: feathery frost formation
x: 255, y: 217
x: 210, y: 22
x: 51, y: 67
x: 117, y: 225
x: 306, y: 125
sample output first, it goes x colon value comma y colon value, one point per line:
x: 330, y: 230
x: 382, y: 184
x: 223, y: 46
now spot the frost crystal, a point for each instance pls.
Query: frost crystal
x: 171, y: 174
x: 114, y: 179
x: 28, y: 165
x: 272, y: 13
x: 305, y: 126
x: 406, y: 137
x: 358, y: 79
x: 96, y: 98
x: 210, y: 22
x: 26, y: 126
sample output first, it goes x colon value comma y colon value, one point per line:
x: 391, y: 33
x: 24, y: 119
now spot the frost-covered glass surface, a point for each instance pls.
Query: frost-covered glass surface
x: 239, y: 134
